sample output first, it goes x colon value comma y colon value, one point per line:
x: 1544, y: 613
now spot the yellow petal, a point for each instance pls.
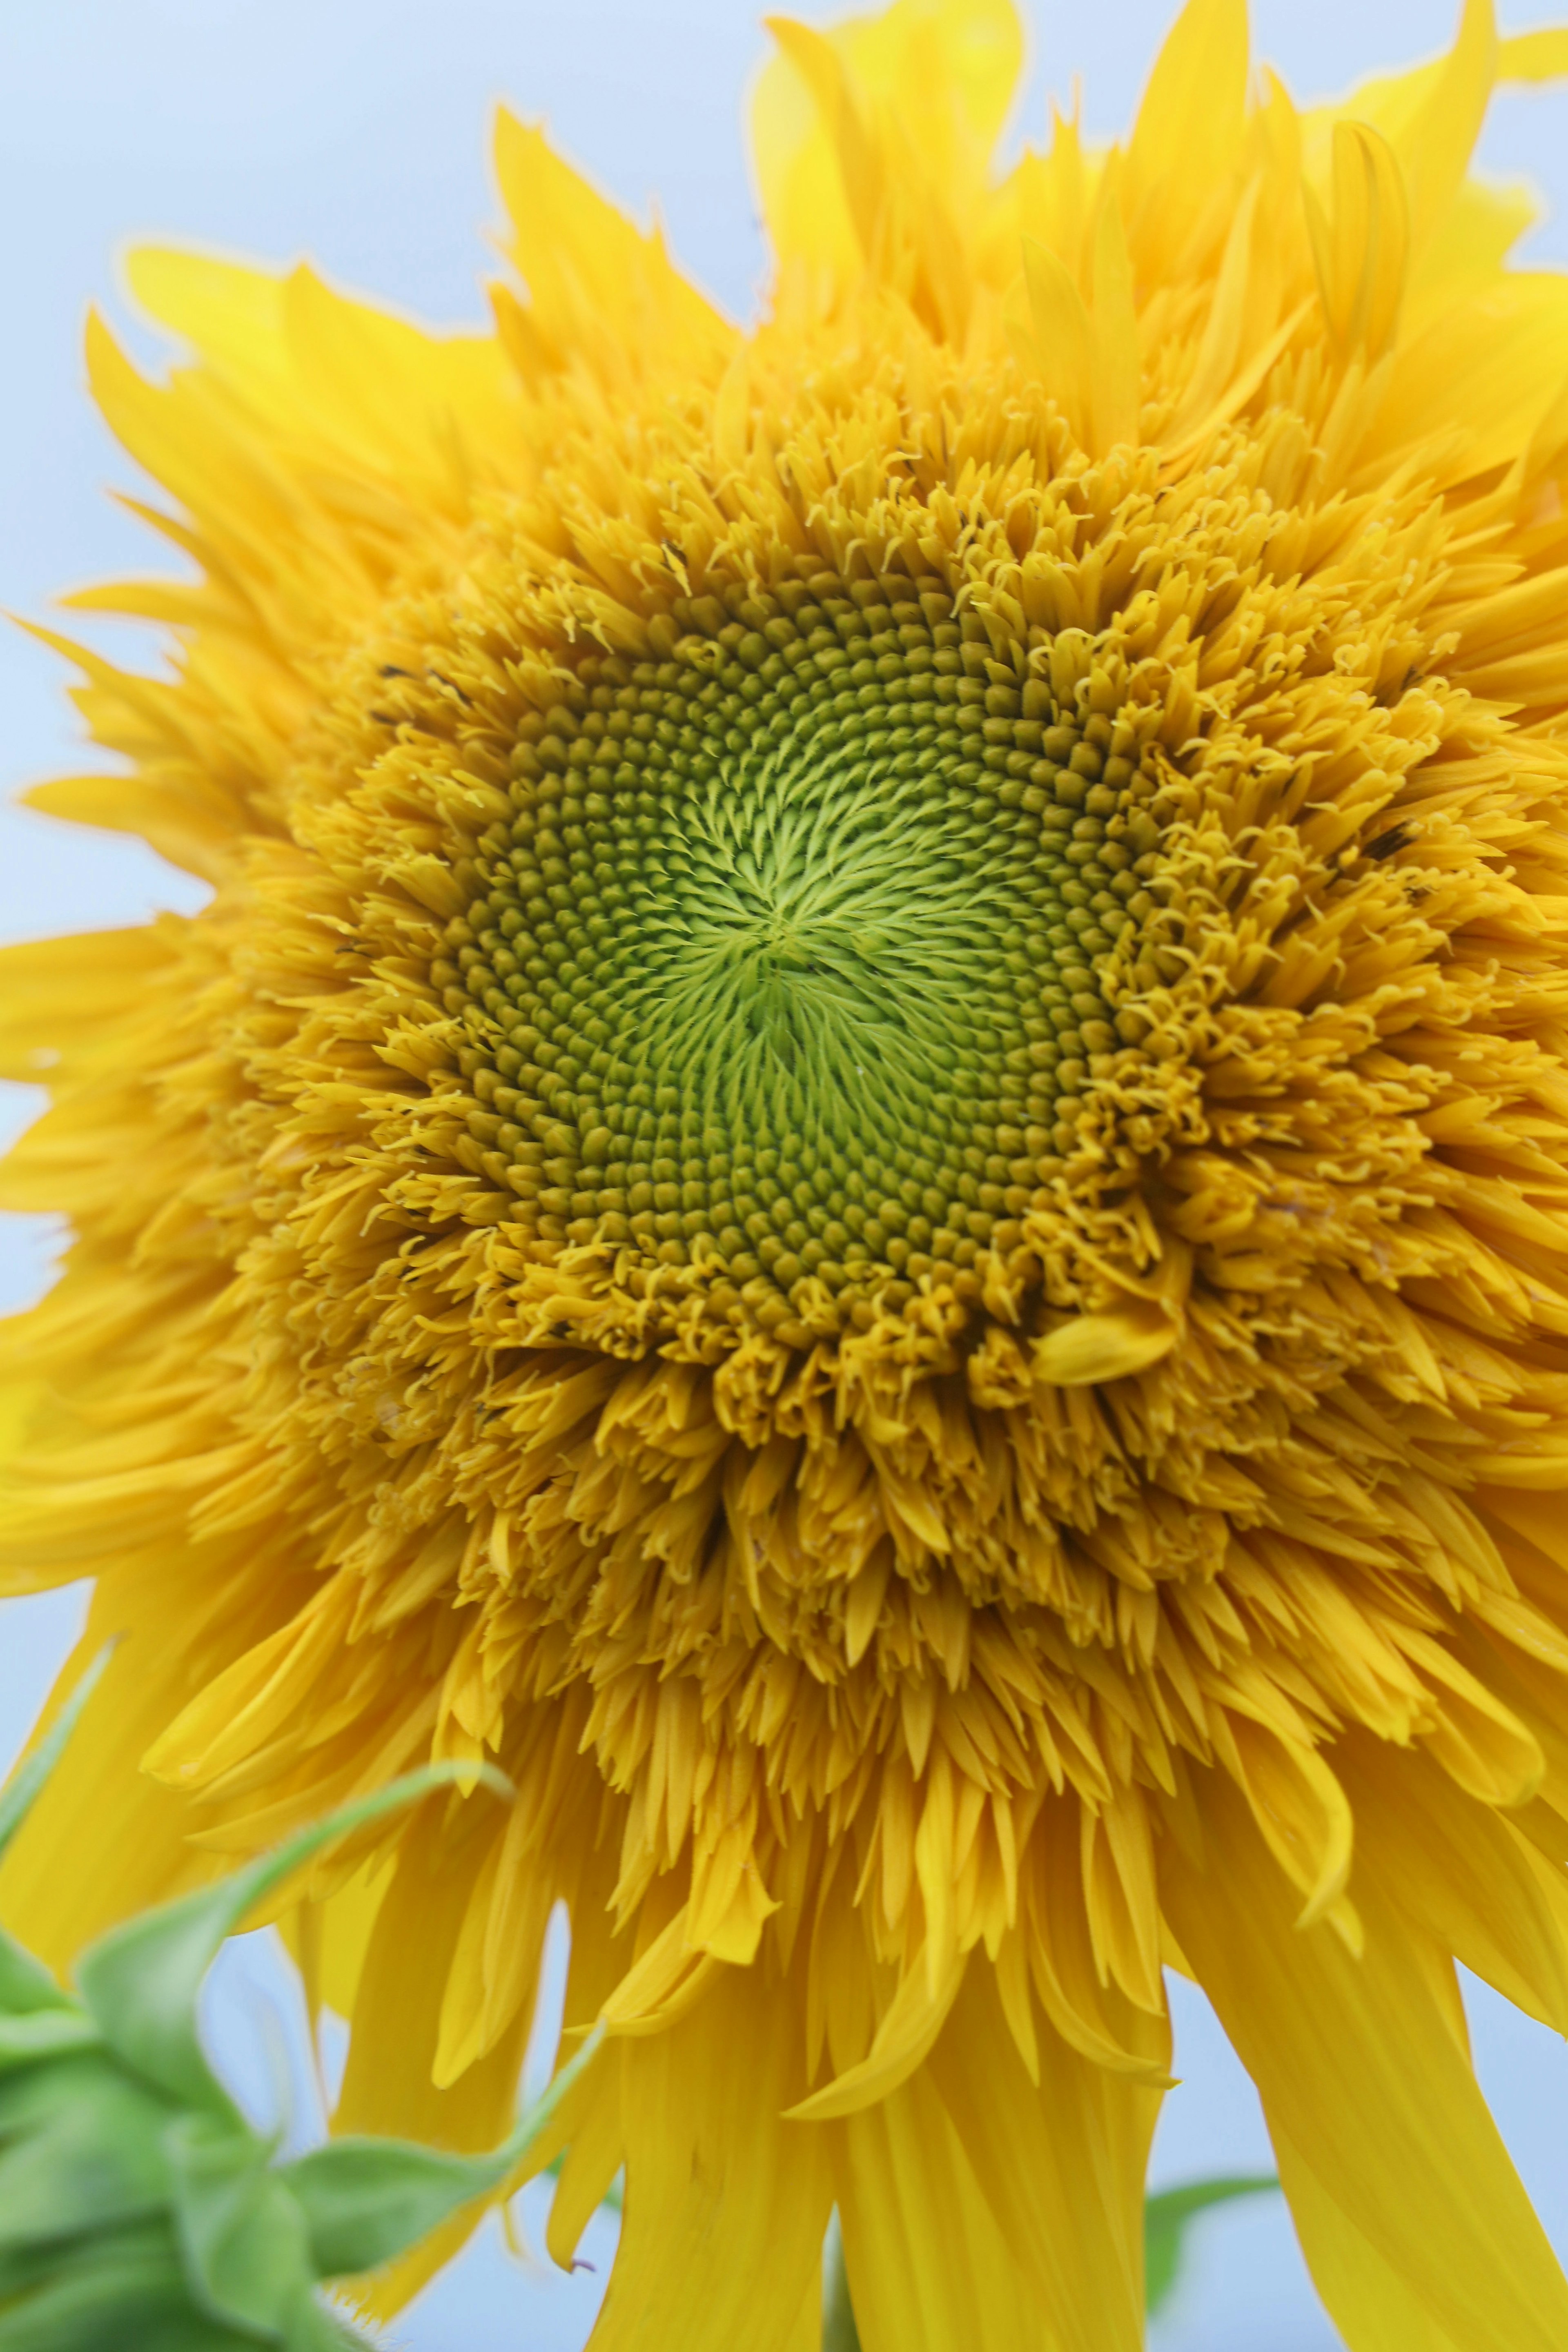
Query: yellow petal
x: 915, y: 2017
x: 1091, y: 2014
x: 259, y: 1693
x: 960, y: 58
x: 822, y: 66
x: 231, y: 314
x: 183, y: 436
x: 1114, y: 376
x: 662, y: 1984
x: 329, y: 1939
x: 389, y: 2084
x: 51, y: 996
x: 1474, y: 385
x: 1373, y: 2304
x: 929, y: 2265
x: 1360, y: 2075
x: 596, y: 2151
x: 1435, y: 129
x: 979, y: 2210
x: 1189, y: 131
x: 1459, y: 1872
x: 933, y: 77
x: 726, y: 2204
x: 1061, y: 2165
x: 1533, y: 56
x: 1055, y: 340
x: 1299, y: 1807
x: 437, y: 411
x: 1107, y: 1346
x: 127, y: 1838
x: 1362, y: 246
x: 599, y: 290
x: 1221, y: 348
x: 804, y: 199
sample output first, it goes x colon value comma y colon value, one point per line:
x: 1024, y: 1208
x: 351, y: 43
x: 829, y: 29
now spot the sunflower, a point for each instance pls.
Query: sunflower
x: 864, y: 1162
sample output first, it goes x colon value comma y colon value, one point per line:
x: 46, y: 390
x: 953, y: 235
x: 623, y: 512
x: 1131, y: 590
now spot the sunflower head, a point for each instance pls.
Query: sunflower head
x: 863, y: 1159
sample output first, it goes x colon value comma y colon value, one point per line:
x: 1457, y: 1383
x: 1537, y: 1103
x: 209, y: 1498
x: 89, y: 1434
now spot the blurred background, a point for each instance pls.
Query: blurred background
x: 357, y: 134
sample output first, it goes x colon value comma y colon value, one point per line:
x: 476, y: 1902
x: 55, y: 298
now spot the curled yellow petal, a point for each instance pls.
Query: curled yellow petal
x: 1109, y: 1347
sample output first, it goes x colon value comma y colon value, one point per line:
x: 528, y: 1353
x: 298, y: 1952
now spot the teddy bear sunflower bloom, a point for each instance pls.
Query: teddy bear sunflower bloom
x: 863, y: 1165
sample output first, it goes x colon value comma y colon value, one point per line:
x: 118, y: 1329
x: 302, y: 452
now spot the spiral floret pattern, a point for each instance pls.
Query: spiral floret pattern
x: 789, y: 959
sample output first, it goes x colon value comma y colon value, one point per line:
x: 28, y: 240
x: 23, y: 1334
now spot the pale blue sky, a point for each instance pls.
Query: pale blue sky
x: 354, y: 131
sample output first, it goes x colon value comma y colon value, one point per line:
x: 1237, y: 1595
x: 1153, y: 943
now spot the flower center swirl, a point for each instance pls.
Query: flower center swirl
x: 788, y: 967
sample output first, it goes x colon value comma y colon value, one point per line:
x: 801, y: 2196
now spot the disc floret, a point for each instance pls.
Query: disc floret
x: 789, y: 965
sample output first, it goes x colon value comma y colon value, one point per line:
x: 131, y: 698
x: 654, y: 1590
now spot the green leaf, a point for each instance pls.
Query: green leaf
x: 82, y: 2150
x: 121, y: 2293
x: 24, y: 1983
x: 1168, y: 2216
x: 39, y: 2033
x: 24, y: 2267
x: 142, y: 1980
x: 314, y: 2326
x: 241, y: 2233
x: 367, y: 2199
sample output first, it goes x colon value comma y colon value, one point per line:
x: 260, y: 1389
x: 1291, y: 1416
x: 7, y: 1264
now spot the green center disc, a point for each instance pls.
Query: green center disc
x: 792, y: 954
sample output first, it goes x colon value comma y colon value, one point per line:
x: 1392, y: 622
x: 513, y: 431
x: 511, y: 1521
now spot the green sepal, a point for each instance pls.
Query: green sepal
x: 25, y: 2267
x: 118, y: 2292
x: 39, y: 2033
x: 82, y: 2150
x: 1167, y: 2216
x: 142, y: 1980
x: 124, y: 2224
x: 314, y: 2326
x: 26, y: 1984
x: 366, y: 2200
x: 241, y: 2233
